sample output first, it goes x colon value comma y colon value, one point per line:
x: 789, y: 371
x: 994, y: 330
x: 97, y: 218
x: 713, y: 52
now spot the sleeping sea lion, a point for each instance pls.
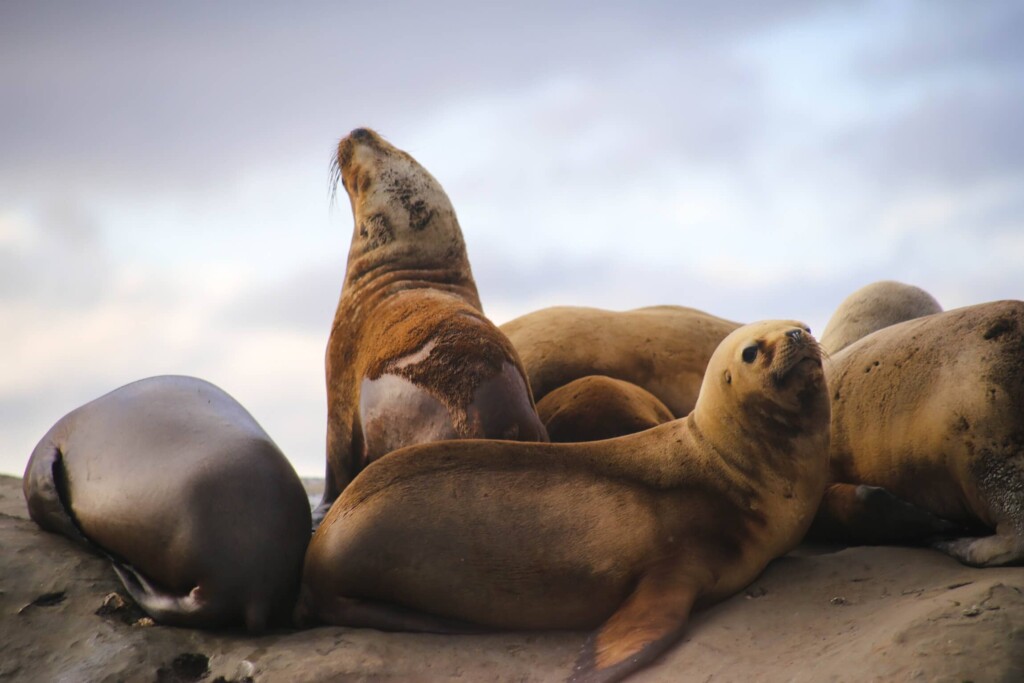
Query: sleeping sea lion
x: 661, y: 349
x: 204, y: 518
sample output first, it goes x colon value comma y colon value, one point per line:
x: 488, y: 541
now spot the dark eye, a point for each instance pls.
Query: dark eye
x: 807, y: 330
x: 749, y: 354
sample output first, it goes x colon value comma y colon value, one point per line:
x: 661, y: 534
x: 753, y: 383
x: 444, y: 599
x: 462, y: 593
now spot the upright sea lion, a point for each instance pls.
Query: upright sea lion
x: 627, y: 534
x: 873, y: 307
x: 204, y: 518
x: 662, y: 349
x: 932, y: 410
x: 597, y: 407
x: 411, y: 357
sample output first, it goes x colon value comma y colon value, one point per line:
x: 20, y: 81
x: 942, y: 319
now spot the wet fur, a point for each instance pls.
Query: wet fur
x: 145, y: 475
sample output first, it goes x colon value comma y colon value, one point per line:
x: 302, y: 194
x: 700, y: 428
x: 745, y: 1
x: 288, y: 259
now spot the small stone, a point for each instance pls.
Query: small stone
x: 972, y: 611
x: 756, y: 592
x: 144, y: 622
x: 112, y: 603
x: 838, y: 601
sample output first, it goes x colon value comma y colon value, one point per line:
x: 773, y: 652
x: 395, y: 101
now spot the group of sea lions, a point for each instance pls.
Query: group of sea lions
x: 694, y: 451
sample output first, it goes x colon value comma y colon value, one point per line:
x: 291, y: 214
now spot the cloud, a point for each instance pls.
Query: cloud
x: 958, y: 136
x: 121, y: 95
x: 163, y: 202
x: 973, y: 40
x: 74, y: 333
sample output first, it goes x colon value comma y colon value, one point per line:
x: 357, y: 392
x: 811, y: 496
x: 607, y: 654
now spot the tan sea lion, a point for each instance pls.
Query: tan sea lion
x: 662, y: 349
x: 932, y: 410
x: 411, y: 357
x: 598, y: 407
x: 626, y: 534
x: 873, y: 307
x: 204, y: 518
x: 858, y: 513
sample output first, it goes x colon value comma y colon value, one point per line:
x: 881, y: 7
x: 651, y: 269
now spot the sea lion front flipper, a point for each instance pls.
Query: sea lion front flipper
x: 857, y: 513
x: 998, y: 550
x: 45, y: 489
x: 648, y: 623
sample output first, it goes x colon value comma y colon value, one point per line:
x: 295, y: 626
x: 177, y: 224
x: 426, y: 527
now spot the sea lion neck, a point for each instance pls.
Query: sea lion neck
x: 373, y: 276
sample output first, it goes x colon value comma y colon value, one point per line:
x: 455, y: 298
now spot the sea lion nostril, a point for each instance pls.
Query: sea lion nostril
x: 361, y: 134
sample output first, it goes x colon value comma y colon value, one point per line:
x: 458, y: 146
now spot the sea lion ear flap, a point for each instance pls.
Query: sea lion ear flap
x: 727, y: 376
x: 648, y: 623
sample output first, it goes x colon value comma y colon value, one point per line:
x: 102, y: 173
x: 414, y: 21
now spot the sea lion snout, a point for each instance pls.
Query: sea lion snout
x: 349, y: 167
x: 362, y: 135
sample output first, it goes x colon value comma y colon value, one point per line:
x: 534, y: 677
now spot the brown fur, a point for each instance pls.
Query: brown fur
x: 408, y: 289
x: 628, y: 532
x: 662, y: 349
x: 933, y: 410
x: 597, y: 407
x: 873, y: 307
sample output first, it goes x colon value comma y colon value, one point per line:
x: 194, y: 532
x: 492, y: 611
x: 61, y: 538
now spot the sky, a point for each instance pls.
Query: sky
x: 164, y: 200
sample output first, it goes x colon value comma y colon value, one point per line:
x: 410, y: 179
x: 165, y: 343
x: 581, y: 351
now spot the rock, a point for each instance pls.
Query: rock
x: 904, y: 618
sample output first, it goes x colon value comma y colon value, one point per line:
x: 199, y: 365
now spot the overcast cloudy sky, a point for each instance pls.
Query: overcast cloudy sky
x: 163, y: 172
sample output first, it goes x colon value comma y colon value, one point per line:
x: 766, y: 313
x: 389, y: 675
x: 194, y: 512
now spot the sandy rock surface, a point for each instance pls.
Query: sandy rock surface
x: 818, y: 614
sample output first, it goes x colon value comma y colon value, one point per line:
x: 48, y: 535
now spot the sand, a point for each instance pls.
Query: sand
x: 818, y: 614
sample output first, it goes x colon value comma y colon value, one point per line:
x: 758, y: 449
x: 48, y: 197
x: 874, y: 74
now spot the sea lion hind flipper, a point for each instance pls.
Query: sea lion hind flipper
x: 645, y: 626
x: 164, y: 607
x: 45, y: 488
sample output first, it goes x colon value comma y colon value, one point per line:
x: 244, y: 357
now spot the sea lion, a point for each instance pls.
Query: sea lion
x: 872, y: 307
x: 597, y: 407
x: 411, y: 357
x: 662, y: 349
x: 858, y: 513
x: 627, y: 534
x: 932, y: 410
x: 204, y: 518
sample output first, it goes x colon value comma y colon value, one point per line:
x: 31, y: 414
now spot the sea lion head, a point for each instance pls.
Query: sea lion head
x: 768, y: 377
x: 398, y: 208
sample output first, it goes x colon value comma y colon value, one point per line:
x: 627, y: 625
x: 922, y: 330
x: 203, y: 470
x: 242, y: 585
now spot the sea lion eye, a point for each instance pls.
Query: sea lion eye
x: 749, y: 354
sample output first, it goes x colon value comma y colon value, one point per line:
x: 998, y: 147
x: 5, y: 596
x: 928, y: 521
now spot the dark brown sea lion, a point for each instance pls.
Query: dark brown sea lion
x: 204, y: 518
x: 597, y: 407
x: 932, y: 410
x: 626, y: 534
x: 411, y: 357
